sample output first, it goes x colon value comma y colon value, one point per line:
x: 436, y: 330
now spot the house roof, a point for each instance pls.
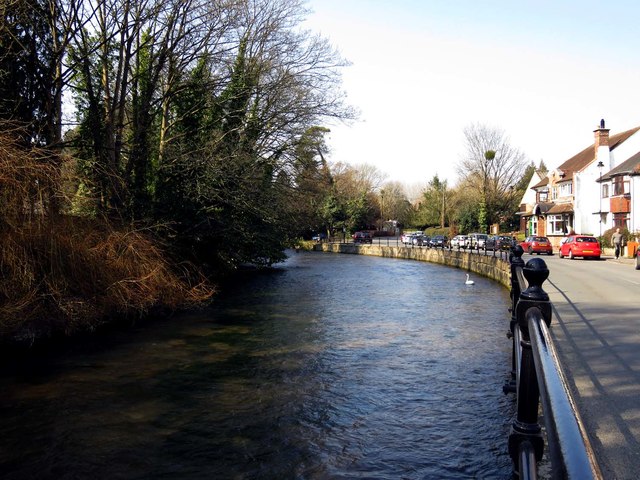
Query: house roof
x: 561, y: 208
x: 630, y: 166
x: 542, y: 208
x: 542, y: 183
x: 586, y: 156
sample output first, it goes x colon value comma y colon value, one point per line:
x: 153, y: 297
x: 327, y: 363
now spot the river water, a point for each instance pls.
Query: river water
x: 328, y: 367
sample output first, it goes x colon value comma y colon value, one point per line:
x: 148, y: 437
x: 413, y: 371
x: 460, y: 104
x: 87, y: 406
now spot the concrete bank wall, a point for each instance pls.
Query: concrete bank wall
x: 492, y: 267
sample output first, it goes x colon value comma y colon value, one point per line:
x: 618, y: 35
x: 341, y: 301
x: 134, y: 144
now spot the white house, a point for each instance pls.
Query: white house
x: 571, y: 197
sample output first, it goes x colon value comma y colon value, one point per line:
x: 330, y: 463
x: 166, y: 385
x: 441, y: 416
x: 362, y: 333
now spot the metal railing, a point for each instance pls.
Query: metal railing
x: 395, y: 241
x: 537, y: 377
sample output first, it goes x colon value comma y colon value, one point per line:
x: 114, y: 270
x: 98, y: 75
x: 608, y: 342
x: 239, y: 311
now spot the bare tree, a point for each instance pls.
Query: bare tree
x: 394, y: 203
x: 491, y: 168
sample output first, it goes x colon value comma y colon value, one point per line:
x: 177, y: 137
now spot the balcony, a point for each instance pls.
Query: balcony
x: 620, y: 204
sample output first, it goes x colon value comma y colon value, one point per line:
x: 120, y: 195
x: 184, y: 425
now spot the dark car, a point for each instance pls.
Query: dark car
x: 638, y: 259
x: 420, y: 240
x: 498, y: 242
x: 536, y: 244
x: 504, y: 242
x: 362, y: 237
x: 491, y: 243
x: 438, y: 241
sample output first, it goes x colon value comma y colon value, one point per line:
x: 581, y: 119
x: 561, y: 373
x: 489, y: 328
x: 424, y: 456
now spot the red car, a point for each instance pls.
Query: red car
x: 583, y: 246
x: 537, y: 245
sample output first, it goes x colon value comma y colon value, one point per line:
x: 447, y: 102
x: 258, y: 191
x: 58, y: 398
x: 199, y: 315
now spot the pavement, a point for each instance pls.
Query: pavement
x: 596, y: 330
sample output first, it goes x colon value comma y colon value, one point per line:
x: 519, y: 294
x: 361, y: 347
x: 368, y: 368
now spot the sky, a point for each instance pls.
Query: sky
x: 543, y: 72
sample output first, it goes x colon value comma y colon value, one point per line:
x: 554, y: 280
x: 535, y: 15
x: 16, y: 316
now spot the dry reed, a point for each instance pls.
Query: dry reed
x: 64, y: 275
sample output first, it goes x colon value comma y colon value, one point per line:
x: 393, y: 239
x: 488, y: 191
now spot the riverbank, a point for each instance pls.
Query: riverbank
x: 67, y: 276
x: 495, y: 268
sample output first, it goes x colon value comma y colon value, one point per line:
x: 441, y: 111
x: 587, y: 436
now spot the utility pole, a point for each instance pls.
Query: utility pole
x: 444, y: 189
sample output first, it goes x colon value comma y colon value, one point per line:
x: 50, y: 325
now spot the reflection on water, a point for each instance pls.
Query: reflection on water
x: 331, y: 367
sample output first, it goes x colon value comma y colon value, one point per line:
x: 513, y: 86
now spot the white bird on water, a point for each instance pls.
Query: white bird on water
x: 469, y: 282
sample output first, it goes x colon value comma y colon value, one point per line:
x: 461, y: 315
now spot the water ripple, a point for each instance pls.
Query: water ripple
x: 332, y: 367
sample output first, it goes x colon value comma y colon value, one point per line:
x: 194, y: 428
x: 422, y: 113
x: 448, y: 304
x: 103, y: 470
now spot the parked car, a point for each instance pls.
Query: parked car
x: 477, y: 240
x: 638, y: 259
x: 407, y: 237
x: 362, y: 237
x: 505, y: 242
x: 498, y: 242
x: 439, y: 241
x: 319, y: 237
x: 583, y: 246
x: 459, y: 241
x: 420, y: 240
x: 491, y: 243
x: 535, y: 244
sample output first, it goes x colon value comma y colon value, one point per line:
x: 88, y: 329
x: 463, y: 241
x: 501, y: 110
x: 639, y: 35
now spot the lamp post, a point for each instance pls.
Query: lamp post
x: 489, y: 156
x: 600, y: 165
x: 381, y: 209
x: 382, y: 216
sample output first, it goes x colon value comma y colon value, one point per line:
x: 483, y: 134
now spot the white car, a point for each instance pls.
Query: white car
x: 407, y: 238
x: 459, y: 241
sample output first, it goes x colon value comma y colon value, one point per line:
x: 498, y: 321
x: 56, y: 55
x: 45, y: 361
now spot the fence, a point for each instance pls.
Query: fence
x: 537, y: 376
x: 395, y: 241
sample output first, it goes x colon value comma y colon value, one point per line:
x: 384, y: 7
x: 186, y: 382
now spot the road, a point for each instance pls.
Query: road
x: 596, y: 325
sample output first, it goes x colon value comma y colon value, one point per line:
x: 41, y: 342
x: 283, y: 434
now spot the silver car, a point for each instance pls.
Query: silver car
x: 478, y: 240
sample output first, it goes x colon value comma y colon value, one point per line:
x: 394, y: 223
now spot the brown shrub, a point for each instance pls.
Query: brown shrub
x: 74, y: 275
x: 62, y: 274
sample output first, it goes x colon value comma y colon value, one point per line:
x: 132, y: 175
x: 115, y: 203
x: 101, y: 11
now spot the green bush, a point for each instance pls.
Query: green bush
x: 605, y: 240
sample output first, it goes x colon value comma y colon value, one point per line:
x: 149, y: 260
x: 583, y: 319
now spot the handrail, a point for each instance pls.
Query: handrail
x: 538, y: 378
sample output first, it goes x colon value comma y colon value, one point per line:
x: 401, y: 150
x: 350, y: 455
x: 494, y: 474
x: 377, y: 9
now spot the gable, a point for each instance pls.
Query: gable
x: 581, y: 160
x: 631, y: 166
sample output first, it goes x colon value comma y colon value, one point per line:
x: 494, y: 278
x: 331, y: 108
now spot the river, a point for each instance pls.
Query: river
x: 328, y: 367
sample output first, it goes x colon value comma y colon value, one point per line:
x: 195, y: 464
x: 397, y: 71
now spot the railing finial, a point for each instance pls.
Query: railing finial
x: 515, y: 255
x: 536, y: 272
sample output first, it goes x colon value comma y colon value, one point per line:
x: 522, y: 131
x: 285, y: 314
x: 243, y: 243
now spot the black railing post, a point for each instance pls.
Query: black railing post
x: 515, y: 260
x: 516, y: 263
x: 525, y: 430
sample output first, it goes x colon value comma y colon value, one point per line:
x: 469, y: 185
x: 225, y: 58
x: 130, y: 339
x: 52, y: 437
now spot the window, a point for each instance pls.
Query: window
x: 605, y: 190
x: 620, y: 220
x: 566, y: 189
x: 620, y: 187
x: 554, y: 193
x: 542, y: 196
x: 556, y: 225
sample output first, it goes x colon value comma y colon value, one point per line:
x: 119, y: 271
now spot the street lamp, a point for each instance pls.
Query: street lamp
x: 382, y: 209
x: 489, y: 156
x: 600, y: 165
x: 382, y: 216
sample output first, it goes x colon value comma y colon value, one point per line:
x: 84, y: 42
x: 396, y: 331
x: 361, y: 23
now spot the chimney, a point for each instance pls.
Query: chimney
x: 601, y: 144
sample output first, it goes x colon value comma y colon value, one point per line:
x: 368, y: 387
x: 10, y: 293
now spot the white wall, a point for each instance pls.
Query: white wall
x: 587, y: 200
x: 529, y: 197
x: 626, y: 150
x: 634, y: 217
